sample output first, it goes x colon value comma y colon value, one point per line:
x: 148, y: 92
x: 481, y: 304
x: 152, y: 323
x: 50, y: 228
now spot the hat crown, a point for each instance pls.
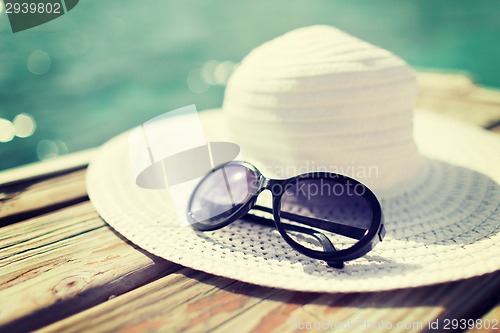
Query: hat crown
x: 318, y: 99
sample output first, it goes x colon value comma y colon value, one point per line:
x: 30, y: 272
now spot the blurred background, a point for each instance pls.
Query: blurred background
x: 107, y: 66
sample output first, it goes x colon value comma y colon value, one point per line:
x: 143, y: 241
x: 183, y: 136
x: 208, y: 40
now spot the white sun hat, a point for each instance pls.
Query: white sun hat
x: 318, y: 98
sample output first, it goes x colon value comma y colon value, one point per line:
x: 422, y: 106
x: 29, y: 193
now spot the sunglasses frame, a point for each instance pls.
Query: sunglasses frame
x: 365, y: 244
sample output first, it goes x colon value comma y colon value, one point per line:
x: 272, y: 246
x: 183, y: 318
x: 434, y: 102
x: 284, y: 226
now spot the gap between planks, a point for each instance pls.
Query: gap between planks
x: 65, y: 288
x: 59, y: 264
x: 190, y: 301
x: 29, y: 199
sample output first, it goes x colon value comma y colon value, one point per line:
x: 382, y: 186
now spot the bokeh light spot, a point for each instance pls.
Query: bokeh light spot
x: 39, y: 62
x: 208, y: 71
x: 62, y: 147
x: 7, y: 130
x: 223, y: 72
x: 24, y: 125
x: 47, y: 149
x: 196, y: 83
x: 217, y: 73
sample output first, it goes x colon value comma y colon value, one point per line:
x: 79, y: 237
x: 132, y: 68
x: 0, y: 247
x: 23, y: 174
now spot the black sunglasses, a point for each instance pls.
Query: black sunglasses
x: 323, y: 215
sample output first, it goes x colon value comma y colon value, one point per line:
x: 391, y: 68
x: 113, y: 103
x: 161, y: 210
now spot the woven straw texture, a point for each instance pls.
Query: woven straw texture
x: 445, y: 229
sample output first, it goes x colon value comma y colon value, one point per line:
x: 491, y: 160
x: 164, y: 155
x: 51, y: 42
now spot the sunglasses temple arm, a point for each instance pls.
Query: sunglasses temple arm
x: 321, y: 238
x: 325, y: 242
x: 340, y: 229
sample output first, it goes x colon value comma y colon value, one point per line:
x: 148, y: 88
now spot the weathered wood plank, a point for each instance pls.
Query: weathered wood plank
x: 19, y: 241
x: 24, y: 200
x: 414, y: 309
x: 456, y: 95
x: 67, y: 264
x: 62, y: 263
x: 198, y: 302
x: 44, y: 169
x: 177, y: 302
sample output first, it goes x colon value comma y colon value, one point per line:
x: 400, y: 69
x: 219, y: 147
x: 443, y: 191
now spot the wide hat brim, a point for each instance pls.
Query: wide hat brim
x: 446, y: 229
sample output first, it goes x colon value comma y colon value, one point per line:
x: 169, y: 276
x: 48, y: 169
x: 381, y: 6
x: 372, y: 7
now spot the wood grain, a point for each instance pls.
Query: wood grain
x: 183, y: 299
x: 28, y: 199
x: 190, y: 301
x: 63, y: 269
x: 64, y: 262
x: 43, y: 169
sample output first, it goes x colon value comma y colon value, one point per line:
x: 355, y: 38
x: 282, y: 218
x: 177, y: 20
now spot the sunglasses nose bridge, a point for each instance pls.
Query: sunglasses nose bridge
x: 267, y: 184
x: 264, y: 183
x: 275, y: 186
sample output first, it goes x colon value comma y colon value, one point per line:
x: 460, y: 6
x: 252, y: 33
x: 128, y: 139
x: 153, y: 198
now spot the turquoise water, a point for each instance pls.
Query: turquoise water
x: 107, y: 66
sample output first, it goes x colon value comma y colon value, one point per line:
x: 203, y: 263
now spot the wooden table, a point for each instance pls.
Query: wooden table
x: 62, y: 268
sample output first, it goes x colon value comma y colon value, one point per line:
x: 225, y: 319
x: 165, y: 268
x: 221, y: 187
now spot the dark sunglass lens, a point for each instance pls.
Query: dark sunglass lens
x: 327, y: 214
x: 222, y: 193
